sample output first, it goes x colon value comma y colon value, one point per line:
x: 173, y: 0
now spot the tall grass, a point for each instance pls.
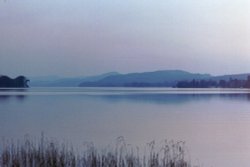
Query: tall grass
x: 48, y: 153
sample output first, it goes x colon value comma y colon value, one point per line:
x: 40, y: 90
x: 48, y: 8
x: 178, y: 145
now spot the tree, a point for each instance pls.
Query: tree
x: 19, y: 82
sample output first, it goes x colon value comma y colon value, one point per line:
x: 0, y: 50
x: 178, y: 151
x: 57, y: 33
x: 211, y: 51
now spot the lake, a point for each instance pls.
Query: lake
x: 214, y: 123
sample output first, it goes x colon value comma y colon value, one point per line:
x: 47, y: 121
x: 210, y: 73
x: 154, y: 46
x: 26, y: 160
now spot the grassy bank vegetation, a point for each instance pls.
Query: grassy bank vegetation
x: 48, y: 153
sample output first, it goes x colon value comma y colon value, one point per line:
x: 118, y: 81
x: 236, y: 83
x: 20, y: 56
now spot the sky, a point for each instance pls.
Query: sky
x: 88, y: 37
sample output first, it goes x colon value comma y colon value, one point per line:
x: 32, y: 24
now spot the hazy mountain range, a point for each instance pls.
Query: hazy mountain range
x: 55, y: 81
x: 155, y: 78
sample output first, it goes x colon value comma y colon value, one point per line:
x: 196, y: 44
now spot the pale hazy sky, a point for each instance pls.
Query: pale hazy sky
x: 85, y: 37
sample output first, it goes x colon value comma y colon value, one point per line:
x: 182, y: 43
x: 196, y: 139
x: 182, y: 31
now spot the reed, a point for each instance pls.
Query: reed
x: 49, y: 153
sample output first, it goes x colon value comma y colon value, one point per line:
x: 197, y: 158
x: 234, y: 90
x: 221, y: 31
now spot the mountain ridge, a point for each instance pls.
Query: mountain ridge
x: 154, y: 78
x: 158, y: 78
x: 55, y: 81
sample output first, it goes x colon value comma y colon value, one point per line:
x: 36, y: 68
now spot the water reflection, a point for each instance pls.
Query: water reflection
x: 158, y: 96
x: 170, y: 98
x: 18, y: 94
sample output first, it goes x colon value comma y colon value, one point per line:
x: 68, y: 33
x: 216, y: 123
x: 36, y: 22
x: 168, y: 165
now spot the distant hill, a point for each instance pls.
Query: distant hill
x: 55, y: 81
x: 43, y: 81
x: 166, y: 78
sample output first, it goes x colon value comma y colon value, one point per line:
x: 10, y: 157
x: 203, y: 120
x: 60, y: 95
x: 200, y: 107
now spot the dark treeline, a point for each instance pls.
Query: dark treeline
x: 18, y: 82
x: 231, y: 83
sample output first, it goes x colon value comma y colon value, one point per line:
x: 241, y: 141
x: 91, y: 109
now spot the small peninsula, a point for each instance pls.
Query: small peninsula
x: 18, y: 82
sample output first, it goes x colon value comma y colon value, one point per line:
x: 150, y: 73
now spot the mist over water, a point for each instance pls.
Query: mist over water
x: 213, y: 123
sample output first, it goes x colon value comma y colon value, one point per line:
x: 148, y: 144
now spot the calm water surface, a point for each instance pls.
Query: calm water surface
x: 215, y: 123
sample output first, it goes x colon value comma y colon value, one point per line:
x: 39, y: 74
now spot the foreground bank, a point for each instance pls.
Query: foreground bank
x: 48, y: 153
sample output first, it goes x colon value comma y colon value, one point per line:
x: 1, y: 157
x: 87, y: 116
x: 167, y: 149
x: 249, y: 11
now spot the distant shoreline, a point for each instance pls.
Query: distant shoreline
x: 163, y: 78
